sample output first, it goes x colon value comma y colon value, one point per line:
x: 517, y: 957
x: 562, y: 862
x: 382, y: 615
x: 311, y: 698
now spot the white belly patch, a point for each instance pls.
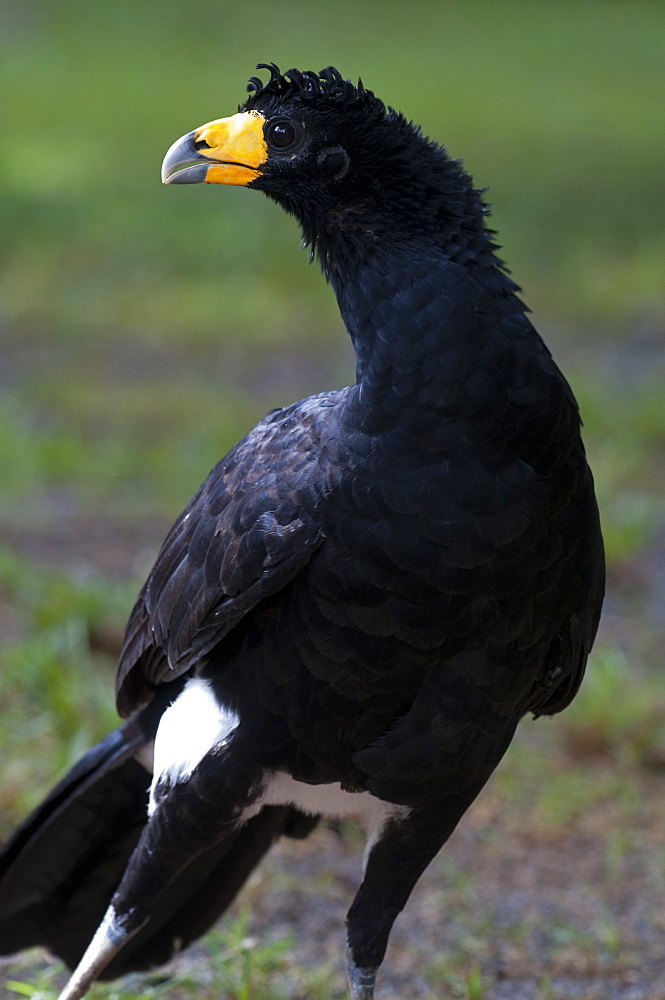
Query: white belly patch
x: 317, y: 800
x: 332, y: 800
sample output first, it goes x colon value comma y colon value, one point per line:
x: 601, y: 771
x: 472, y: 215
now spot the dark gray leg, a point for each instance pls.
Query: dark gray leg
x: 404, y: 849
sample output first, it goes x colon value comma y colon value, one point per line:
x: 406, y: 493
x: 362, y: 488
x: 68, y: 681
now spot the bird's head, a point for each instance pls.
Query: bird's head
x: 353, y: 171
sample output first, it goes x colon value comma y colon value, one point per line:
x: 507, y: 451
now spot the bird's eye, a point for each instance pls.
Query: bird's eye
x: 282, y: 134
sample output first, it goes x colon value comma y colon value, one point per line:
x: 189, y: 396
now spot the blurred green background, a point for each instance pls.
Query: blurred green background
x: 144, y: 329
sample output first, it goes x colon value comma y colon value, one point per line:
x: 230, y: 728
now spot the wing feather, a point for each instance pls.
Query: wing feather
x: 247, y: 533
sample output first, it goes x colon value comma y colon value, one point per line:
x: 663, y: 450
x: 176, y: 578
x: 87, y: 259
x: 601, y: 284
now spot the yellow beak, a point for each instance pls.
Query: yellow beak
x: 226, y: 151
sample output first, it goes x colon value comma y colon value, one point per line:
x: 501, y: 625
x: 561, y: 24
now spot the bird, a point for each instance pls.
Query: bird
x: 368, y: 592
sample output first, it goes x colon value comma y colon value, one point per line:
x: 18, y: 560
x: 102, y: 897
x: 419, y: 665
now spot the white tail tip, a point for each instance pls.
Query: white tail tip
x: 105, y: 945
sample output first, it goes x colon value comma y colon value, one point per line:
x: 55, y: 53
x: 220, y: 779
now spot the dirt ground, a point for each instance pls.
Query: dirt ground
x: 539, y: 914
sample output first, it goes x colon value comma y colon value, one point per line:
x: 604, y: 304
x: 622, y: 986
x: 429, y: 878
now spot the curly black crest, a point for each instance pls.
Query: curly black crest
x: 328, y: 83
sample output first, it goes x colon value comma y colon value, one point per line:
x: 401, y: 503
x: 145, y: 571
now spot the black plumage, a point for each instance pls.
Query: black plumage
x: 372, y: 587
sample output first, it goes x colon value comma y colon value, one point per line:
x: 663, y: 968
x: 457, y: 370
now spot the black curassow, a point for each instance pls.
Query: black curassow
x: 368, y: 592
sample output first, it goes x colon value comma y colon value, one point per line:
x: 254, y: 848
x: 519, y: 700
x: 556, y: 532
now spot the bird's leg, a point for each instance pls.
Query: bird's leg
x: 361, y: 981
x: 193, y: 816
x: 404, y: 848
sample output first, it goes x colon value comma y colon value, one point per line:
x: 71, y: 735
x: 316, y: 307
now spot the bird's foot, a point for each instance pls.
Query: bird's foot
x: 361, y: 981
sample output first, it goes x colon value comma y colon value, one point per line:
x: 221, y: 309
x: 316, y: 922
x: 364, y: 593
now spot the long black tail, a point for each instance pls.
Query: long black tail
x: 61, y: 867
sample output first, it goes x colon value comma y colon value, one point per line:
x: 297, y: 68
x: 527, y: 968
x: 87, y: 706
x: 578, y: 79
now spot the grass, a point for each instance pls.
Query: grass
x: 143, y: 329
x: 55, y: 692
x: 236, y: 966
x: 620, y: 711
